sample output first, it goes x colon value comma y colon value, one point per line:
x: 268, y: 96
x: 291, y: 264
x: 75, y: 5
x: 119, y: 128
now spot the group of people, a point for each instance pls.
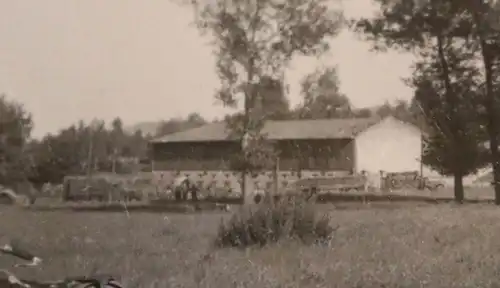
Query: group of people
x: 183, y: 186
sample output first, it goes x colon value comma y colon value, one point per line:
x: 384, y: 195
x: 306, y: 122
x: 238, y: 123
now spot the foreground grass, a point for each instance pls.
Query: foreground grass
x: 424, y: 246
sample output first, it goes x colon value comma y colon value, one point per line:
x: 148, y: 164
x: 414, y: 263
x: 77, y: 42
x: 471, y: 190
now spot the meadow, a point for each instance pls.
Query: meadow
x: 374, y: 245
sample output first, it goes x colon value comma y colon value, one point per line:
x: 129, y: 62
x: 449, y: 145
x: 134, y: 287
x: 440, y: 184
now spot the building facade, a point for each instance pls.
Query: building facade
x: 307, y: 148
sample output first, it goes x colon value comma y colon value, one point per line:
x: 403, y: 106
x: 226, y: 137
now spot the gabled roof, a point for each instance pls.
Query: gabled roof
x: 279, y: 130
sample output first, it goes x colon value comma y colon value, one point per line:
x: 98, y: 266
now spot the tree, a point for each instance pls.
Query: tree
x: 402, y: 110
x: 273, y: 101
x: 65, y: 153
x: 83, y: 148
x: 53, y: 159
x: 139, y: 145
x: 486, y: 33
x: 15, y: 129
x: 363, y: 113
x: 255, y: 40
x: 455, y: 143
x: 99, y: 154
x: 322, y: 97
x: 114, y: 144
x: 480, y: 24
x: 194, y: 119
x: 384, y: 110
x: 435, y: 31
x: 117, y: 136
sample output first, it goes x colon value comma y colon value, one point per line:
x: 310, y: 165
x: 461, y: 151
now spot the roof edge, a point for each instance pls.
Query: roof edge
x: 370, y: 123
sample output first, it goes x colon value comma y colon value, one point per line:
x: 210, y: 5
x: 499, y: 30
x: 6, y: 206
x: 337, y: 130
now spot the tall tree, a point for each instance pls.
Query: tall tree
x: 15, y: 129
x: 117, y: 136
x: 99, y: 153
x: 322, y: 96
x: 115, y: 142
x: 486, y: 33
x: 139, y: 145
x: 434, y: 31
x: 254, y: 40
x: 483, y: 29
x: 455, y: 143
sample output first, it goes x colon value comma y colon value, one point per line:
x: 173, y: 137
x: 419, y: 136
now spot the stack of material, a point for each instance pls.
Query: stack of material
x: 83, y: 188
x: 105, y: 187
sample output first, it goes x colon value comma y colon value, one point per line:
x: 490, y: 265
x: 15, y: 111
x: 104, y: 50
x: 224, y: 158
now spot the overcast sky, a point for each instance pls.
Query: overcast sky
x: 142, y: 61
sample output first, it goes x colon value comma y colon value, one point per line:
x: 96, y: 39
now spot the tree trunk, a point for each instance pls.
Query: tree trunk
x: 458, y: 187
x: 247, y: 187
x: 452, y: 130
x: 271, y: 193
x: 113, y: 165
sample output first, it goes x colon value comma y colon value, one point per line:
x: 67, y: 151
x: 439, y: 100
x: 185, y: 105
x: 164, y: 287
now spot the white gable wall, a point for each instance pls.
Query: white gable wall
x: 391, y: 146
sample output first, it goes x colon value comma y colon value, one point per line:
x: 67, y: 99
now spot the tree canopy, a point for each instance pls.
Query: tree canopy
x: 449, y: 84
x: 15, y: 129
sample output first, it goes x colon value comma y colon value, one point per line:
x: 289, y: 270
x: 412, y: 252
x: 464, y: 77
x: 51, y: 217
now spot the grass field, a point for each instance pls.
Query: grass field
x: 379, y: 245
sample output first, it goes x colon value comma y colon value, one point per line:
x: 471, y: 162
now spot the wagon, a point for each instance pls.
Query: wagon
x: 403, y: 180
x: 82, y: 188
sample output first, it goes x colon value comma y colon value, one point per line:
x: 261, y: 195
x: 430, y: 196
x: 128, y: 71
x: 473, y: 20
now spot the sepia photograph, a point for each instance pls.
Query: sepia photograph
x: 255, y: 143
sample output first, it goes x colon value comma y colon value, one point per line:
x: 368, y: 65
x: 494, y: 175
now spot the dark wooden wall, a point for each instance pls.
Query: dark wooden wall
x: 194, y: 156
x: 317, y: 155
x: 294, y: 155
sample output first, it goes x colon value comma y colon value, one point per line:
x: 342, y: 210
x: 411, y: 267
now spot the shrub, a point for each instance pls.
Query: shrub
x: 268, y: 223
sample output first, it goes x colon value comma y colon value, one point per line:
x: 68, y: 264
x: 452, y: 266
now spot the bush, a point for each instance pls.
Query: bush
x: 268, y: 223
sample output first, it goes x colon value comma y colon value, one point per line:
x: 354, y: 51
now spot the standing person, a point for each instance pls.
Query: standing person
x: 193, y: 189
x: 179, y: 186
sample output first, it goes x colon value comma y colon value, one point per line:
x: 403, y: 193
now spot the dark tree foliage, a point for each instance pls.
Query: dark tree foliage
x: 274, y: 104
x: 454, y: 145
x: 15, y: 129
x: 87, y: 148
x: 322, y: 96
x: 445, y: 77
x: 485, y: 34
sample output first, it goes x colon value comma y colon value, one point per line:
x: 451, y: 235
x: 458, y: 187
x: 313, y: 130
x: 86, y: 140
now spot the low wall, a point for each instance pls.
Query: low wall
x: 230, y: 180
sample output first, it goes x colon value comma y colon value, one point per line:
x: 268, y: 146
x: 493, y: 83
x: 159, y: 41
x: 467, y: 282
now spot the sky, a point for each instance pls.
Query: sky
x: 67, y: 60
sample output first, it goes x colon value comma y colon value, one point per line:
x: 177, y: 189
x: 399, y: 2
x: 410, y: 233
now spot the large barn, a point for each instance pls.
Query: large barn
x: 313, y: 147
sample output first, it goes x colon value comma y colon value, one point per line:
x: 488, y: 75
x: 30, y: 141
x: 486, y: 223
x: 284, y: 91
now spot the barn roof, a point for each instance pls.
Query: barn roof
x: 279, y: 130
